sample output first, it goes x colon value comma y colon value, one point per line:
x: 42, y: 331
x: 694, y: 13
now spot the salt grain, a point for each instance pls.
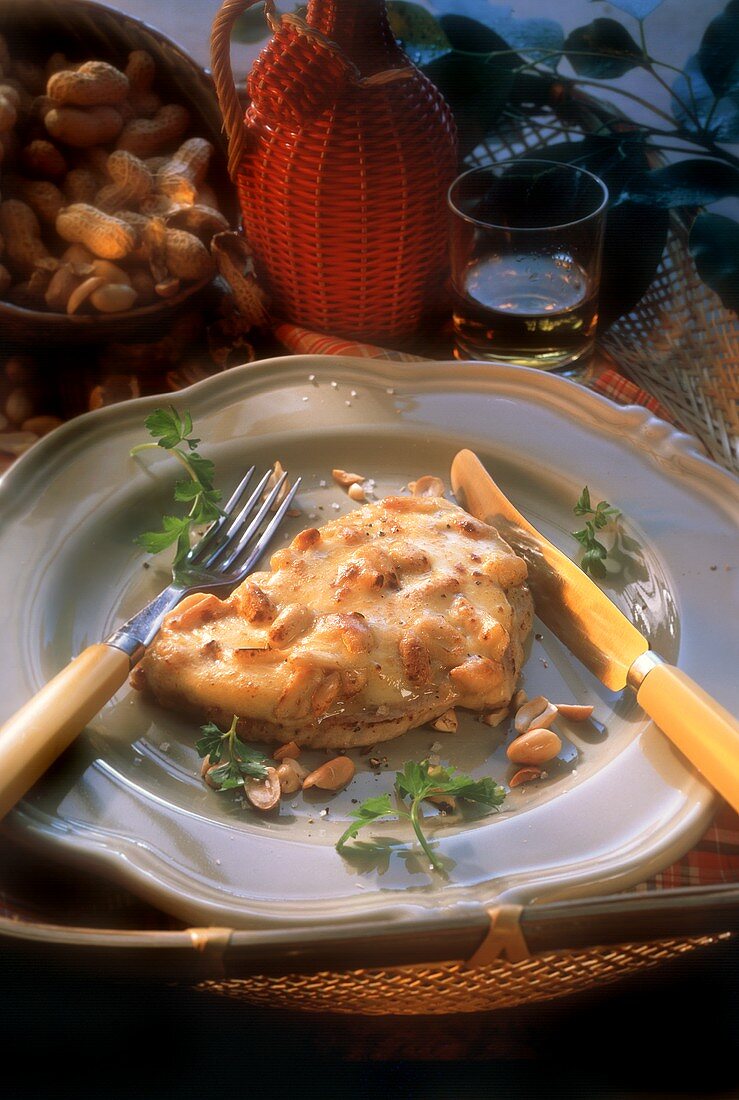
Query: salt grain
x: 353, y: 393
x: 335, y: 506
x: 311, y: 377
x: 305, y: 399
x: 334, y: 385
x: 322, y: 483
x: 390, y: 390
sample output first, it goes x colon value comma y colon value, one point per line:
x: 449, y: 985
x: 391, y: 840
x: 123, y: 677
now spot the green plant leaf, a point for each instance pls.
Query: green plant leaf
x: 211, y: 743
x: 714, y: 245
x: 166, y: 426
x: 476, y: 89
x: 718, y: 55
x: 186, y: 490
x: 251, y: 26
x: 482, y: 792
x: 692, y: 182
x: 418, y: 31
x: 471, y: 36
x: 697, y: 110
x: 592, y: 565
x: 173, y: 528
x: 583, y: 507
x: 367, y: 812
x: 627, y: 272
x: 615, y: 51
x: 640, y: 9
x: 203, y: 469
x: 539, y: 39
x: 413, y: 779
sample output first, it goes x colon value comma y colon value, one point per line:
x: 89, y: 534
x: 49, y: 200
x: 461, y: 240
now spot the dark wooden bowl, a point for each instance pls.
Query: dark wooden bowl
x: 85, y: 29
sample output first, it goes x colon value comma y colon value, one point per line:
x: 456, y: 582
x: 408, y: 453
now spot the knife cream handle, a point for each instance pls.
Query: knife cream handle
x: 700, y: 727
x: 47, y: 724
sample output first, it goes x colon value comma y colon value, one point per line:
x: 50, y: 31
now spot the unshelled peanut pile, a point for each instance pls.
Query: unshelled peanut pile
x: 105, y: 205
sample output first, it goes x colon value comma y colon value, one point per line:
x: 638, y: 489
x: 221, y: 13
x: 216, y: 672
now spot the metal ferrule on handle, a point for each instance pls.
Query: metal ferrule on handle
x: 641, y: 667
x: 137, y: 634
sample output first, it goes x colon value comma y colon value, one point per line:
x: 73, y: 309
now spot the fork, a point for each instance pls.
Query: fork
x: 48, y: 723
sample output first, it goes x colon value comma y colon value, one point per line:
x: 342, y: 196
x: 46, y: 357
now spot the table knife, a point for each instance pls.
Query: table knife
x: 602, y: 638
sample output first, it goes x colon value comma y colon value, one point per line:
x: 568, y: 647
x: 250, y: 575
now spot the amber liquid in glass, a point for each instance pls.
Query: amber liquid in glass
x: 534, y: 310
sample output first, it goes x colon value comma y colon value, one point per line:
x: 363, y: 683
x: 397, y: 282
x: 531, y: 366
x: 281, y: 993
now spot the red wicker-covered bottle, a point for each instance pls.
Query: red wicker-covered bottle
x: 342, y: 164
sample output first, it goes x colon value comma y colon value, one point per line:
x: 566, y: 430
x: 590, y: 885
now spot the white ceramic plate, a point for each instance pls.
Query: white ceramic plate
x: 127, y: 798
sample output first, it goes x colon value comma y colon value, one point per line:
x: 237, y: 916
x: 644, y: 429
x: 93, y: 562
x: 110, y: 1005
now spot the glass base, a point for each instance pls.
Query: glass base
x: 550, y: 359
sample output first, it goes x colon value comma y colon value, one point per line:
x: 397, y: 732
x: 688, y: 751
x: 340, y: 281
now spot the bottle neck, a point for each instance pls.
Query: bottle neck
x: 361, y: 28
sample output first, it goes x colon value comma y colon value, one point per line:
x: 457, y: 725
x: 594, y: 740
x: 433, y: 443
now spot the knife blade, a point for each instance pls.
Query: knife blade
x: 603, y: 639
x: 567, y: 601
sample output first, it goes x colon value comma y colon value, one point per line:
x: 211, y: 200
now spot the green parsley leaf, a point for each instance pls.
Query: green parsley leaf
x: 416, y: 781
x: 231, y: 782
x: 239, y: 760
x: 167, y: 427
x: 583, y: 506
x: 485, y: 792
x: 186, y: 490
x: 413, y: 779
x: 173, y: 527
x: 211, y: 743
x: 174, y: 433
x: 367, y: 812
x: 603, y: 514
x: 203, y: 469
x: 592, y: 563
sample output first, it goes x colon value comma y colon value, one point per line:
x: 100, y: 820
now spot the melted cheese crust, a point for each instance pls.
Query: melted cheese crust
x: 378, y: 622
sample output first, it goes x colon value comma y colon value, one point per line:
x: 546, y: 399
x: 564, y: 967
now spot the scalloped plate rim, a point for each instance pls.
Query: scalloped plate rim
x: 663, y: 444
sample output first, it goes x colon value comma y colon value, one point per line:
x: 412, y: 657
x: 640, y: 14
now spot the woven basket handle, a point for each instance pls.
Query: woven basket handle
x: 220, y: 56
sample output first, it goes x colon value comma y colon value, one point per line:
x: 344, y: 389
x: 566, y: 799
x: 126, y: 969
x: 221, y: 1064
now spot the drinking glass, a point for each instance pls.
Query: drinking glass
x: 526, y: 244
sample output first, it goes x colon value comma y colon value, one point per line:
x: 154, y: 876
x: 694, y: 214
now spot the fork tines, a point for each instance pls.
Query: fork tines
x: 234, y: 543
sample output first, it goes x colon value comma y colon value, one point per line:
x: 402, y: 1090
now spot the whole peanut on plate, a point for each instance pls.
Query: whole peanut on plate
x: 91, y: 154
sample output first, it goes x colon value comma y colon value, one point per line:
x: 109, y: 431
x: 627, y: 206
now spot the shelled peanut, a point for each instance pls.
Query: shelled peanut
x: 96, y: 168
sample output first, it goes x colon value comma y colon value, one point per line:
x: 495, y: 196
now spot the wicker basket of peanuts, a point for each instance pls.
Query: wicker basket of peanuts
x: 113, y: 179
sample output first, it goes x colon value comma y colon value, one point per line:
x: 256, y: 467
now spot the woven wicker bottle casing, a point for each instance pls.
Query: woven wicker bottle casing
x: 348, y: 156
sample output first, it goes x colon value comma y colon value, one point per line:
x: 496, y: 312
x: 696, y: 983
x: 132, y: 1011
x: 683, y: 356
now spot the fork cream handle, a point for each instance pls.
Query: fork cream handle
x: 700, y: 727
x: 43, y: 728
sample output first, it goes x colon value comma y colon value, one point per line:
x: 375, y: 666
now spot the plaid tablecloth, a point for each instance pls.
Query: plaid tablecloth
x: 37, y: 890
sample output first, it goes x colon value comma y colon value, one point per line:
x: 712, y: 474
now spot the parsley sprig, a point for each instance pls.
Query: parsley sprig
x: 595, y: 552
x: 173, y: 433
x: 235, y: 760
x: 416, y: 782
